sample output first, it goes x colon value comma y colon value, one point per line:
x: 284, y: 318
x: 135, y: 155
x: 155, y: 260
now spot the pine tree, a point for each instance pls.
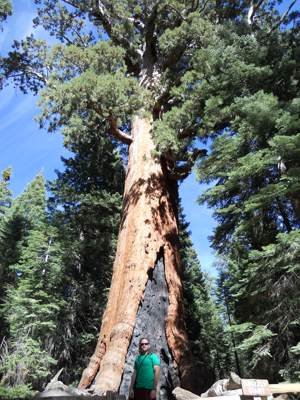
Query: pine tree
x: 33, y: 300
x: 210, y: 343
x: 265, y: 300
x: 85, y: 204
x: 5, y: 194
x: 256, y: 192
x: 5, y: 204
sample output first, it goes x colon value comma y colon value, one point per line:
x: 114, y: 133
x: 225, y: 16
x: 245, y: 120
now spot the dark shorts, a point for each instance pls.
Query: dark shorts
x: 142, y: 394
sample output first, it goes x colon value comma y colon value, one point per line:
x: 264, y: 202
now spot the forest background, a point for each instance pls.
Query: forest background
x: 52, y: 245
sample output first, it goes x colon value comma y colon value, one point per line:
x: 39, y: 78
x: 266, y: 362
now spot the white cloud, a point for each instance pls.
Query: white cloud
x: 19, y: 25
x: 6, y: 97
x: 23, y: 107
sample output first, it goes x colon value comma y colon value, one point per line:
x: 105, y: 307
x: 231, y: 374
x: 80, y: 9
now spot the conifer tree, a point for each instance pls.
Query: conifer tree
x: 85, y: 205
x: 209, y: 341
x: 5, y: 204
x: 5, y: 194
x: 254, y: 163
x: 33, y: 300
x: 264, y: 299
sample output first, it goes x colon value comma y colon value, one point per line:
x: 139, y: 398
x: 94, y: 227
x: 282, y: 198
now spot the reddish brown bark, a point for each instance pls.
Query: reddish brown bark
x: 148, y: 225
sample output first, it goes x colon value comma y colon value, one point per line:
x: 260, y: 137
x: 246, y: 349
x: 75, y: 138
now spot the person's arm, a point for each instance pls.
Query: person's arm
x: 131, y: 393
x: 156, y: 379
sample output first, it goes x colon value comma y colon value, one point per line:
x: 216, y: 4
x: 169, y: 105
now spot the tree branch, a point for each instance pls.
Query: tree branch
x: 173, y: 57
x: 79, y: 37
x: 183, y: 170
x: 202, y: 9
x: 150, y: 28
x: 136, y: 22
x: 283, y: 17
x: 180, y: 173
x: 195, y: 5
x: 38, y: 75
x: 182, y: 17
x: 187, y: 132
x: 253, y: 10
x: 70, y: 3
x: 23, y: 71
x: 102, y: 14
x: 117, y: 133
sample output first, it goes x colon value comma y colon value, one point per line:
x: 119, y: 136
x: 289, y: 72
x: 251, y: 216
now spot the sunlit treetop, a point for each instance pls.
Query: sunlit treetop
x: 182, y: 61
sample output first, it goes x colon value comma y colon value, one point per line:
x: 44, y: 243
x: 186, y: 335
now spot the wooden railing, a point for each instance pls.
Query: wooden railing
x: 244, y: 389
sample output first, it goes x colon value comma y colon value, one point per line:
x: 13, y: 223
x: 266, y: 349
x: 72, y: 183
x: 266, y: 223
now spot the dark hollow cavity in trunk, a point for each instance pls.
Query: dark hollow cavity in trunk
x: 150, y: 323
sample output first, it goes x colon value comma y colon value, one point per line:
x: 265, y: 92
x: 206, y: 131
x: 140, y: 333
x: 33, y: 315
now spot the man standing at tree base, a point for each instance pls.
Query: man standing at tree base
x: 146, y: 373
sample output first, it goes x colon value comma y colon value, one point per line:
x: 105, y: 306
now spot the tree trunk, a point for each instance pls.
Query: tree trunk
x: 150, y: 323
x: 148, y: 229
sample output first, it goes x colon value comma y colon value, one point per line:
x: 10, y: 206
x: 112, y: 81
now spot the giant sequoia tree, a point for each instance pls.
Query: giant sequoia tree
x: 125, y: 82
x: 145, y: 76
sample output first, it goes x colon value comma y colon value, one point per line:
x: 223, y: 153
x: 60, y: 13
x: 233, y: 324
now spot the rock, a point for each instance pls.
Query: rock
x: 283, y: 396
x: 217, y: 389
x: 234, y: 381
x: 223, y: 387
x: 182, y: 394
x: 58, y: 390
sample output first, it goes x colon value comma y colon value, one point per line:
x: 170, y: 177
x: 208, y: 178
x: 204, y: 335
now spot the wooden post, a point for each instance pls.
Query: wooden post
x: 256, y: 389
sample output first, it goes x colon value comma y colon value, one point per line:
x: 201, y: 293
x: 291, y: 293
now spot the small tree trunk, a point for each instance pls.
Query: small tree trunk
x: 148, y: 227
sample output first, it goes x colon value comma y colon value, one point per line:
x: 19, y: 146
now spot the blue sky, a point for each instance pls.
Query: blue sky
x: 23, y: 146
x: 29, y: 150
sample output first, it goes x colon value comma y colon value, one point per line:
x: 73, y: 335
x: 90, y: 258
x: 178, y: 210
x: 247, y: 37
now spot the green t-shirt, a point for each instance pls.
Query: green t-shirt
x: 144, y: 368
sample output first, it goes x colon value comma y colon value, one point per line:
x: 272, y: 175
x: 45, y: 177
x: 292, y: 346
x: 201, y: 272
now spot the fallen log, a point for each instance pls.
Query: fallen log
x: 285, y: 388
